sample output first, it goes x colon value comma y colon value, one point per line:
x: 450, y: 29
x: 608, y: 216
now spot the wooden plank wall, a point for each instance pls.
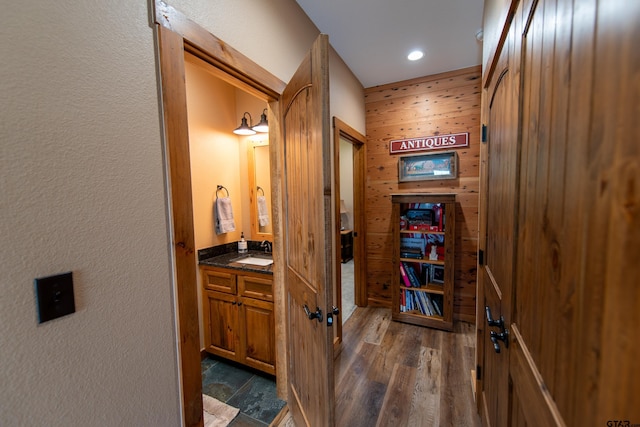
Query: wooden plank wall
x: 439, y: 104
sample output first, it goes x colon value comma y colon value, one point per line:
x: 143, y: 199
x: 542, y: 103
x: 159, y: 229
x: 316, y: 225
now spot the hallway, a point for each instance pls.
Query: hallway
x: 395, y: 374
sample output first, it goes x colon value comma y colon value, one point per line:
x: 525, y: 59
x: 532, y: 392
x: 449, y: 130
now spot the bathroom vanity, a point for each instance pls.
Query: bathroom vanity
x: 238, y: 312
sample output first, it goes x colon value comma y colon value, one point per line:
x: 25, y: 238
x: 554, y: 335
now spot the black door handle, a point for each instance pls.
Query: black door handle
x: 491, y: 322
x: 311, y: 315
x: 334, y: 311
x: 495, y: 337
x: 503, y: 335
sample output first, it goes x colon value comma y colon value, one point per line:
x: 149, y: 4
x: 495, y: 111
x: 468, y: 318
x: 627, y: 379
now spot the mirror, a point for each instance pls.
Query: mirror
x: 260, y: 190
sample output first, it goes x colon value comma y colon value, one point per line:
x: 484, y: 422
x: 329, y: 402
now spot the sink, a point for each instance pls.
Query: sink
x: 255, y: 261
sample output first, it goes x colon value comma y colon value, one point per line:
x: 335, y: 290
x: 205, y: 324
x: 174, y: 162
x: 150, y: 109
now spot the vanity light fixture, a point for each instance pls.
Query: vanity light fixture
x: 263, y: 126
x: 244, y: 128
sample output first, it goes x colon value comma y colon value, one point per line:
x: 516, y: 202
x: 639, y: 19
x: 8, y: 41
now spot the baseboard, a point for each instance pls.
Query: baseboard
x: 473, y: 383
x: 280, y: 417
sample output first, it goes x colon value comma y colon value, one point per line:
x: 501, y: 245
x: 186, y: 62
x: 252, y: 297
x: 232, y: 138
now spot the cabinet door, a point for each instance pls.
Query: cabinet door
x: 221, y: 324
x: 258, y: 334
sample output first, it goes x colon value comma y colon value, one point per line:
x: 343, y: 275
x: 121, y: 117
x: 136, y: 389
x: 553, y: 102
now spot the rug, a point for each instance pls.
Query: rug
x: 216, y: 413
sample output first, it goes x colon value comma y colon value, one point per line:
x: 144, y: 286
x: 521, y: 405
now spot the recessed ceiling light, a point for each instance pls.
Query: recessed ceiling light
x: 415, y: 55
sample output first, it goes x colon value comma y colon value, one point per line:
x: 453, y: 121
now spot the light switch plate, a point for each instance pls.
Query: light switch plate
x: 54, y: 296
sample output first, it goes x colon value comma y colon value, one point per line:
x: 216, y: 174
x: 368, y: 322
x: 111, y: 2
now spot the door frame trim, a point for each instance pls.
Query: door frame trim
x: 343, y: 130
x: 175, y: 34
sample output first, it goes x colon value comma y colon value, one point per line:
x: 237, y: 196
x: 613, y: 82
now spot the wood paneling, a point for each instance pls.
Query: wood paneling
x: 575, y: 312
x: 440, y: 104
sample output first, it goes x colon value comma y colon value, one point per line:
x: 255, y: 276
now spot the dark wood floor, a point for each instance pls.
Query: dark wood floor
x: 394, y: 374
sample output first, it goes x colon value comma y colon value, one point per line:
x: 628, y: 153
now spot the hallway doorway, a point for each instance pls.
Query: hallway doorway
x: 349, y: 157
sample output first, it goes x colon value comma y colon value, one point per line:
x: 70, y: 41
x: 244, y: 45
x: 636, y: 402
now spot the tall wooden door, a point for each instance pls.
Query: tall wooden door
x: 500, y: 164
x: 561, y: 262
x: 309, y: 238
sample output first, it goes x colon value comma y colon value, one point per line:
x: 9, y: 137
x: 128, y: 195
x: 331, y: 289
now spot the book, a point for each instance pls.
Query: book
x: 437, y: 304
x: 416, y: 303
x: 403, y: 274
x: 413, y: 276
x: 425, y: 301
x: 432, y: 310
x: 411, y: 255
x: 421, y: 302
x: 437, y: 308
x: 407, y: 270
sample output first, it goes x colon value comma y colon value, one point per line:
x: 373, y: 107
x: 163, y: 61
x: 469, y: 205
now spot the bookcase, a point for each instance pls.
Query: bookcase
x: 423, y: 258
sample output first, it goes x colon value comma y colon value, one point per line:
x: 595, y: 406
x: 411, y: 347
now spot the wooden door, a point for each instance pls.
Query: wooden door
x: 572, y: 308
x: 497, y: 266
x: 308, y: 238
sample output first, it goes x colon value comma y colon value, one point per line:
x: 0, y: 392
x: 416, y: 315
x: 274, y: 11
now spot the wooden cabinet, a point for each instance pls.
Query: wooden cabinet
x: 239, y: 321
x: 423, y: 259
x: 346, y: 245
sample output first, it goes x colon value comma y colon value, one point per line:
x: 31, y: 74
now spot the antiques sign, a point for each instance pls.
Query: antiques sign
x: 427, y: 143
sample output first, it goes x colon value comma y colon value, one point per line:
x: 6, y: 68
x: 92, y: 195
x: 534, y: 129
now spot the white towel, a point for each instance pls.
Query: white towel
x: 263, y: 212
x: 224, y: 216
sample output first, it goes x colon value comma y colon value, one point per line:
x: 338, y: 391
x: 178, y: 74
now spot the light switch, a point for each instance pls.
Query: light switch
x: 54, y: 296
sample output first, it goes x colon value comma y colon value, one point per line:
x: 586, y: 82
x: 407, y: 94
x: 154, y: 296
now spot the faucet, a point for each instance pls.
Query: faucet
x: 267, y: 245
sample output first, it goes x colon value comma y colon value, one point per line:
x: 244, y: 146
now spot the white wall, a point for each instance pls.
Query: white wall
x: 82, y: 189
x: 346, y: 180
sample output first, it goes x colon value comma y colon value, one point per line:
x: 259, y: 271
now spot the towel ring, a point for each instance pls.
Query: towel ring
x: 221, y: 187
x: 260, y: 189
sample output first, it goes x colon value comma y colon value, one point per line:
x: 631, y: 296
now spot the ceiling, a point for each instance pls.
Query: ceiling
x: 374, y: 37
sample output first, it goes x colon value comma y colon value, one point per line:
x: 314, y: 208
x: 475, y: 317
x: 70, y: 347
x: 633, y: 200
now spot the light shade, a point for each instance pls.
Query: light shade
x: 263, y: 126
x: 244, y: 128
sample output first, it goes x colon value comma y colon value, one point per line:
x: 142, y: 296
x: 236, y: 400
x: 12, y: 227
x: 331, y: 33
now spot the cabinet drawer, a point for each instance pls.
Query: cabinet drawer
x: 219, y: 281
x: 255, y: 287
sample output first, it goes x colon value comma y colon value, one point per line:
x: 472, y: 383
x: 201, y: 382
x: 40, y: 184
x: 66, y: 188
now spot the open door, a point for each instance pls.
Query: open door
x: 345, y: 134
x: 308, y: 238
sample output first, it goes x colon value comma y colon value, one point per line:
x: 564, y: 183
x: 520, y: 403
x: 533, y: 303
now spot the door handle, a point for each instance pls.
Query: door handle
x: 334, y: 311
x: 491, y: 322
x: 313, y: 315
x: 503, y: 335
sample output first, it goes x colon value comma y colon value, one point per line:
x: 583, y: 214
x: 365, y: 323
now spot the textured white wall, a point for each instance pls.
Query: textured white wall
x: 82, y: 189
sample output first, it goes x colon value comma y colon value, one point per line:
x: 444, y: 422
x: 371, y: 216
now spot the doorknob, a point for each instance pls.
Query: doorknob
x: 495, y: 336
x: 490, y: 321
x: 334, y: 311
x: 502, y: 336
x: 316, y: 315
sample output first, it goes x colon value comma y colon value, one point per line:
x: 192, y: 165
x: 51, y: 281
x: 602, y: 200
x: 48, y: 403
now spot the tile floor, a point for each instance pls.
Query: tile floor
x: 348, y: 295
x: 252, y: 392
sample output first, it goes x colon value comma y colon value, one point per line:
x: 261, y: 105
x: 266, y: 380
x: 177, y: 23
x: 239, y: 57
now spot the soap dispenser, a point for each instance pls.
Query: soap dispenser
x: 242, y: 245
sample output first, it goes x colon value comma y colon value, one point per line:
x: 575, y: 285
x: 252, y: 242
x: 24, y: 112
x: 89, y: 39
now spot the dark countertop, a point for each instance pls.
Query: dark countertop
x: 226, y: 260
